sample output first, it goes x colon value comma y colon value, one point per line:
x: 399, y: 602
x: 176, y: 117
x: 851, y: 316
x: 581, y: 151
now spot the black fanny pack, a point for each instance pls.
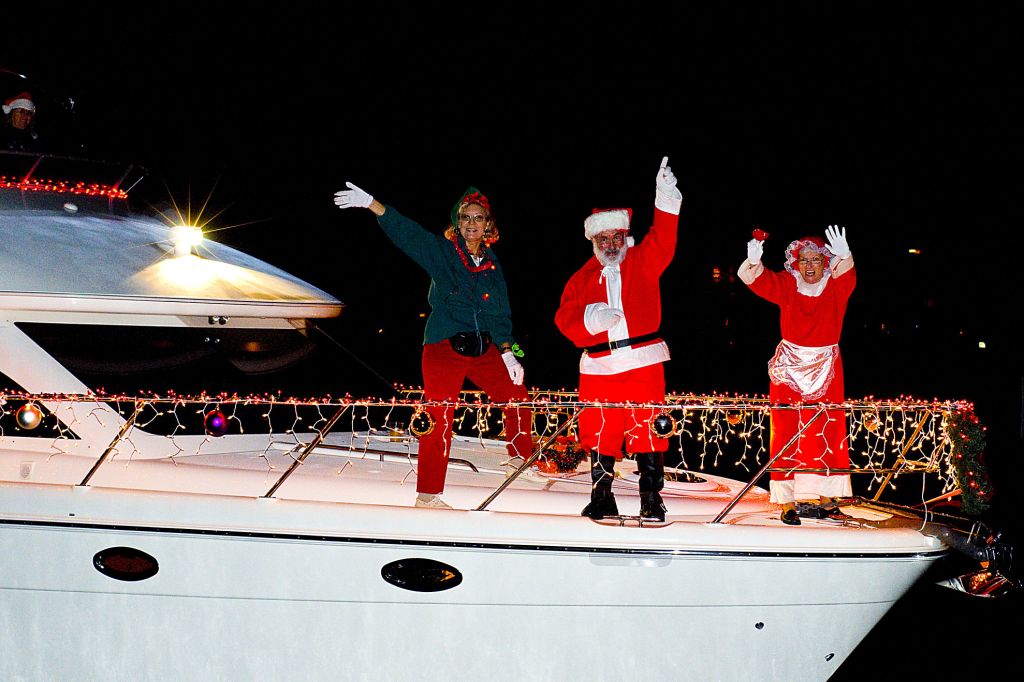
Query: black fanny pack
x: 470, y: 344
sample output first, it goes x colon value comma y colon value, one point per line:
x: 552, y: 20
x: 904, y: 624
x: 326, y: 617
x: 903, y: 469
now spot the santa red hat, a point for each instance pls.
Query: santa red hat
x: 604, y: 219
x: 22, y: 100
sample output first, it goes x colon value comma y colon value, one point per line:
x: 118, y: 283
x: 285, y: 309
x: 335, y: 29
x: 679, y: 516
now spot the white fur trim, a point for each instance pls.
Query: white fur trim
x: 25, y: 104
x: 837, y: 485
x: 811, y: 290
x: 624, y: 359
x: 781, y: 491
x: 604, y: 221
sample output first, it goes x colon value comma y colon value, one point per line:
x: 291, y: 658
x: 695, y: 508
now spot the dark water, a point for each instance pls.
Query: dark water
x: 934, y: 633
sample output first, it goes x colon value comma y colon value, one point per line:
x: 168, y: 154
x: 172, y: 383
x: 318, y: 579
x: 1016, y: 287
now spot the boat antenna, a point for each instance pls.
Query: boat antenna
x: 355, y: 357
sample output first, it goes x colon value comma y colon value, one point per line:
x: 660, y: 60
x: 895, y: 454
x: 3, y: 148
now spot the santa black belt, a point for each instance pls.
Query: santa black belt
x: 609, y: 346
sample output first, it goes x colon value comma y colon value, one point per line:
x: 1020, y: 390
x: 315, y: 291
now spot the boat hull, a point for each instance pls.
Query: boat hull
x: 244, y: 598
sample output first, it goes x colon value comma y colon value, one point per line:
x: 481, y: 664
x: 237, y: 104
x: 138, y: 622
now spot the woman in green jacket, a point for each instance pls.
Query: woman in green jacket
x: 469, y: 329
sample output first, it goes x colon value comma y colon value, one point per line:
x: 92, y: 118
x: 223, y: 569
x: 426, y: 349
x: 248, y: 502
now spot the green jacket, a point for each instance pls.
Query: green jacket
x: 460, y: 300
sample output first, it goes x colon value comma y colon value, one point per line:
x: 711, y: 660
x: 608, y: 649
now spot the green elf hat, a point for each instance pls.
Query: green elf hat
x: 471, y: 196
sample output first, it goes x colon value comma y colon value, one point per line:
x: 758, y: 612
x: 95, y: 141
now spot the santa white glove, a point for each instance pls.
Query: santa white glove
x: 754, y: 250
x: 836, y: 237
x: 515, y: 370
x: 600, y: 317
x: 667, y: 198
x: 353, y: 197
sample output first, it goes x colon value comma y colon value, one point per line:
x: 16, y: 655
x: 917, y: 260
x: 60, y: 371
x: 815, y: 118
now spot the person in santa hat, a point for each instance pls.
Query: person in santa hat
x: 469, y: 330
x: 19, y: 135
x: 611, y: 309
x: 807, y: 368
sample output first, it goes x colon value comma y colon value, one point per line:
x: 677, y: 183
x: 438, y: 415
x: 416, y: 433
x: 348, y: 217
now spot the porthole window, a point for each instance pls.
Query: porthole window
x: 125, y: 563
x: 421, y: 575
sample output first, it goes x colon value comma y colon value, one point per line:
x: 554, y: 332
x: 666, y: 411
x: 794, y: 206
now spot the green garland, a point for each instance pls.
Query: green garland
x: 565, y: 453
x: 967, y: 436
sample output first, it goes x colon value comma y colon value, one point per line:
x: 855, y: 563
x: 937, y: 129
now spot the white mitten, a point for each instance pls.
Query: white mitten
x: 667, y: 197
x: 353, y: 197
x: 600, y: 317
x: 754, y: 250
x: 515, y: 369
x: 837, y: 243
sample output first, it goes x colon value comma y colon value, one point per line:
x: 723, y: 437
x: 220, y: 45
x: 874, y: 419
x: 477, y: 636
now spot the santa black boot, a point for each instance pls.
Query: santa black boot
x: 602, y: 502
x: 651, y: 466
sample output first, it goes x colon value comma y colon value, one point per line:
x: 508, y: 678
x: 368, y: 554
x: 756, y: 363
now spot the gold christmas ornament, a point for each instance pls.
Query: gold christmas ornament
x: 29, y: 416
x: 421, y: 424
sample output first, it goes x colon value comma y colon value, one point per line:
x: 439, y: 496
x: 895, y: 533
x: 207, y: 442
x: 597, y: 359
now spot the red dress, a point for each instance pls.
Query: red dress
x: 815, y: 324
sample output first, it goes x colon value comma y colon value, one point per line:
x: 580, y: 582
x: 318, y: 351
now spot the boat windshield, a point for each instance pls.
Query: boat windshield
x: 139, y: 360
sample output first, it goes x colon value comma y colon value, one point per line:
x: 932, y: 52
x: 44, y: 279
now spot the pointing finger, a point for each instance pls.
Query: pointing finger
x: 664, y: 162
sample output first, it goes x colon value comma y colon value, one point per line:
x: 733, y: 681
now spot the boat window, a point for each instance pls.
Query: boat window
x: 128, y: 361
x: 131, y: 360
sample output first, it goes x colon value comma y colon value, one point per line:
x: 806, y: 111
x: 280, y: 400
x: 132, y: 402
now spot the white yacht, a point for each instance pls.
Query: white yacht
x: 156, y: 536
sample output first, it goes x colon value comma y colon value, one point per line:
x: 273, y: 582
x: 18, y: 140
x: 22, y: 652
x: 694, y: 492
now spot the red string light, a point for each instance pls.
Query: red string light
x: 63, y: 187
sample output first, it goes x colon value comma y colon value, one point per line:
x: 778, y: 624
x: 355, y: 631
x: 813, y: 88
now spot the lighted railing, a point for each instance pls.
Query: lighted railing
x: 885, y: 438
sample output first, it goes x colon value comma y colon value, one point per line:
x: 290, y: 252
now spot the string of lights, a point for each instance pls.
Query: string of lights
x: 886, y: 438
x: 93, y: 189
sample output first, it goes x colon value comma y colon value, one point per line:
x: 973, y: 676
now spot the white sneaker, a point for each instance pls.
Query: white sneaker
x: 531, y: 473
x: 429, y: 501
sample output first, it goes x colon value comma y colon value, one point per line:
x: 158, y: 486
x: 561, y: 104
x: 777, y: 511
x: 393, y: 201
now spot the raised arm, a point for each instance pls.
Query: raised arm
x: 838, y: 245
x: 408, y: 235
x: 659, y: 246
x: 353, y: 197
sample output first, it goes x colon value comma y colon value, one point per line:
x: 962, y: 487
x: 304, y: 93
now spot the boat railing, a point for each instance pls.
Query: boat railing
x: 886, y: 439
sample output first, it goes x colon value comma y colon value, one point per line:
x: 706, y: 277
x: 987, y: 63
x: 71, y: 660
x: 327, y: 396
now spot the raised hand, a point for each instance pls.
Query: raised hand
x: 353, y: 197
x: 667, y: 198
x: 836, y: 241
x: 754, y: 250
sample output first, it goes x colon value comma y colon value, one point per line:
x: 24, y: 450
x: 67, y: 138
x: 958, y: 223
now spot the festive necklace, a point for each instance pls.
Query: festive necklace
x: 486, y: 264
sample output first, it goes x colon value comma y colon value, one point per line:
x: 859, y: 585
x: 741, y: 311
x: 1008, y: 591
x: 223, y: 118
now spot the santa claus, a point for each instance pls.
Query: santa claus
x: 611, y: 309
x: 807, y: 368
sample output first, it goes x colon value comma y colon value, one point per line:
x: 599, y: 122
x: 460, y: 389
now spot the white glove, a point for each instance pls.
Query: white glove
x: 837, y: 241
x: 600, y: 317
x: 754, y: 250
x: 667, y: 198
x: 515, y: 370
x: 353, y: 197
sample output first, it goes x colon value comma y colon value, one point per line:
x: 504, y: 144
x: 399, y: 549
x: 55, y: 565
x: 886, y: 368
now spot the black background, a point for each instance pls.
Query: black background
x: 899, y: 123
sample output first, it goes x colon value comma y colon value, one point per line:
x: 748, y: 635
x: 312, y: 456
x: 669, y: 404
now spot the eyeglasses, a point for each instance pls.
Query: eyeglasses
x: 618, y: 239
x: 811, y: 261
x: 477, y: 218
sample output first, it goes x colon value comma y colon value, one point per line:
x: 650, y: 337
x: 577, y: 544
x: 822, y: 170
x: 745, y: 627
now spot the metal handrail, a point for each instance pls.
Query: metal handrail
x: 533, y: 458
x: 125, y: 428
x: 734, y: 501
x: 320, y: 435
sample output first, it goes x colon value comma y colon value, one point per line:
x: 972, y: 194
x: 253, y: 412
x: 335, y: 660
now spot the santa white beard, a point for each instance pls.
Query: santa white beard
x: 605, y: 258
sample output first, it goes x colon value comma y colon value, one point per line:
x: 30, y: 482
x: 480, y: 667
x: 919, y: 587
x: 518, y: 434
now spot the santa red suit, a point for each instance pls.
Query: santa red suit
x: 611, y: 309
x: 807, y: 368
x: 630, y: 372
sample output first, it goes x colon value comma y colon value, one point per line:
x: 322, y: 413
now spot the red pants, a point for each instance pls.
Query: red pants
x: 444, y: 372
x: 823, y: 445
x: 608, y: 429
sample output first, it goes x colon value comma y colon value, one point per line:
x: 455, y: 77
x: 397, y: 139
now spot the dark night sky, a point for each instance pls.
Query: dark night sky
x: 893, y: 123
x: 901, y: 125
